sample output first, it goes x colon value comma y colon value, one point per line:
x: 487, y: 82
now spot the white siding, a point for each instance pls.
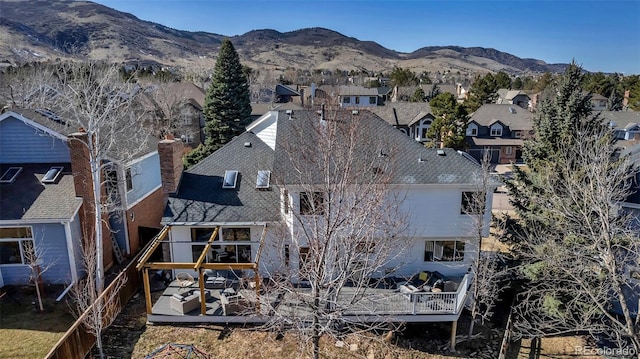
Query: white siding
x: 266, y: 129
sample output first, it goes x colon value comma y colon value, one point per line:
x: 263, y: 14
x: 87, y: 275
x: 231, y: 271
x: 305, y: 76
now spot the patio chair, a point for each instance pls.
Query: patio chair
x: 185, y: 280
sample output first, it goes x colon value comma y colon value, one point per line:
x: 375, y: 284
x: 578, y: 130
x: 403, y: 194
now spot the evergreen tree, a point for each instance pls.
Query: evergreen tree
x: 418, y: 95
x: 227, y: 107
x: 482, y: 91
x: 450, y: 123
x: 503, y: 81
x: 615, y: 101
x: 563, y: 112
x: 517, y: 84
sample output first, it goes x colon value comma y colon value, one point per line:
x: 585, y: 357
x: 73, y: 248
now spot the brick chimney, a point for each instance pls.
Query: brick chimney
x: 81, y: 168
x: 625, y: 100
x: 170, y: 151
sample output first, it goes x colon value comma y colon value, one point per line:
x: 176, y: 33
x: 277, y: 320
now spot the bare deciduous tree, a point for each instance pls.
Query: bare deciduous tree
x: 577, y: 260
x: 486, y: 275
x: 96, y: 309
x: 343, y: 226
x: 37, y: 267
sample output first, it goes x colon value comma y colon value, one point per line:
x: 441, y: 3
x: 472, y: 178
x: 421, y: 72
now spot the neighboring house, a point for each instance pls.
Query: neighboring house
x: 412, y: 118
x: 286, y: 94
x: 241, y: 200
x: 513, y: 97
x: 598, y: 102
x: 625, y: 124
x: 176, y: 108
x: 44, y: 196
x: 404, y: 93
x: 357, y: 96
x: 499, y: 129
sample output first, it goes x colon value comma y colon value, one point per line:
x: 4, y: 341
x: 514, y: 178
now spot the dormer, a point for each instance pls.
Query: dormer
x: 472, y: 129
x: 495, y: 130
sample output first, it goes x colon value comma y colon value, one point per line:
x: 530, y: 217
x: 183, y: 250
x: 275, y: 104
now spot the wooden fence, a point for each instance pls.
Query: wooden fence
x: 77, y: 341
x: 506, y: 339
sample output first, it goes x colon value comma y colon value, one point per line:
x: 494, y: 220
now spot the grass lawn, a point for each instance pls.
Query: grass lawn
x: 25, y: 333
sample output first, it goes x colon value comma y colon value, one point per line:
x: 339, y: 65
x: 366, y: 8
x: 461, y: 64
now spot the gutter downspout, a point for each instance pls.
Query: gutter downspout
x: 72, y: 260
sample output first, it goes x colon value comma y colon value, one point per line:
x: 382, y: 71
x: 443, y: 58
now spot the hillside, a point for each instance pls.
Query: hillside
x: 35, y: 30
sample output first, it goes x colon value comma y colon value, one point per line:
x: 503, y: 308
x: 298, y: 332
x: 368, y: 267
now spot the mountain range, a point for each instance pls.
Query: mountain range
x: 38, y: 30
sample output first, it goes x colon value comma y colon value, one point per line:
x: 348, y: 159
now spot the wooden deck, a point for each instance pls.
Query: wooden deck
x: 377, y: 305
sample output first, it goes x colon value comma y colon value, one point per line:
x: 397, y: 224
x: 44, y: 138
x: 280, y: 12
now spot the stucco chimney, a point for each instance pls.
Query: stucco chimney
x: 170, y: 152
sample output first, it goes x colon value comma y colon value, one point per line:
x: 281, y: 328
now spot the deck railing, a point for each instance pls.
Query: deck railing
x: 416, y: 303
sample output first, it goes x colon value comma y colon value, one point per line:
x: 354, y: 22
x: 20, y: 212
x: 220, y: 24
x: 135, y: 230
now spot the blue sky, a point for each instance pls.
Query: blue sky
x: 601, y: 35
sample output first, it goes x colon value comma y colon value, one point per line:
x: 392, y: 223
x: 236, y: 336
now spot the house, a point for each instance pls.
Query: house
x: 412, y: 118
x: 259, y: 109
x: 175, y: 108
x: 598, y: 102
x: 357, y: 96
x: 499, y: 129
x: 253, y: 194
x: 45, y: 196
x: 625, y: 124
x: 513, y: 97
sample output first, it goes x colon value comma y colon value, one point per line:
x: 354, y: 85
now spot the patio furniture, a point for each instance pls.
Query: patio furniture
x: 185, y: 280
x: 232, y: 304
x: 184, y: 303
x: 214, y: 281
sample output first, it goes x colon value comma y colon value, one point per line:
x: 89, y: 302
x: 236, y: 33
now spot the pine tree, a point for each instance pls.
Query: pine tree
x: 227, y: 107
x: 450, y: 123
x: 482, y: 91
x: 418, y: 95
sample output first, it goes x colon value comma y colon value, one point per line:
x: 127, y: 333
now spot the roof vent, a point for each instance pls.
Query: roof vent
x: 247, y: 144
x: 420, y: 159
x: 355, y: 112
x: 289, y: 112
x: 441, y: 153
x: 512, y: 110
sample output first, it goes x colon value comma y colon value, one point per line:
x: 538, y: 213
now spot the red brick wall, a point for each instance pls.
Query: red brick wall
x: 83, y: 183
x: 170, y: 152
x: 147, y: 213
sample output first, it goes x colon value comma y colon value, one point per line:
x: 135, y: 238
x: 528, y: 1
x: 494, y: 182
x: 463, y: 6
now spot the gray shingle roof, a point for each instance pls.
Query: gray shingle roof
x: 619, y: 119
x: 406, y: 112
x: 29, y: 199
x: 201, y: 198
x: 412, y: 162
x: 518, y: 119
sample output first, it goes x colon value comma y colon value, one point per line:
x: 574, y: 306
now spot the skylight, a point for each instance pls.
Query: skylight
x: 263, y: 179
x: 10, y: 175
x: 52, y: 175
x: 230, y: 178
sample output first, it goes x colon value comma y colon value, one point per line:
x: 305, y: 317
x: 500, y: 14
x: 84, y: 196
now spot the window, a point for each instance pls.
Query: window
x: 10, y: 175
x: 468, y: 204
x: 196, y: 251
x: 285, y: 201
x: 128, y: 179
x: 346, y: 99
x: 236, y: 234
x: 230, y: 178
x: 472, y: 130
x: 496, y: 131
x: 508, y: 150
x: 201, y: 234
x: 186, y: 138
x: 443, y: 251
x: 286, y: 255
x: 230, y: 253
x: 304, y: 258
x: 373, y: 100
x: 14, y: 242
x: 357, y: 100
x: 311, y: 203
